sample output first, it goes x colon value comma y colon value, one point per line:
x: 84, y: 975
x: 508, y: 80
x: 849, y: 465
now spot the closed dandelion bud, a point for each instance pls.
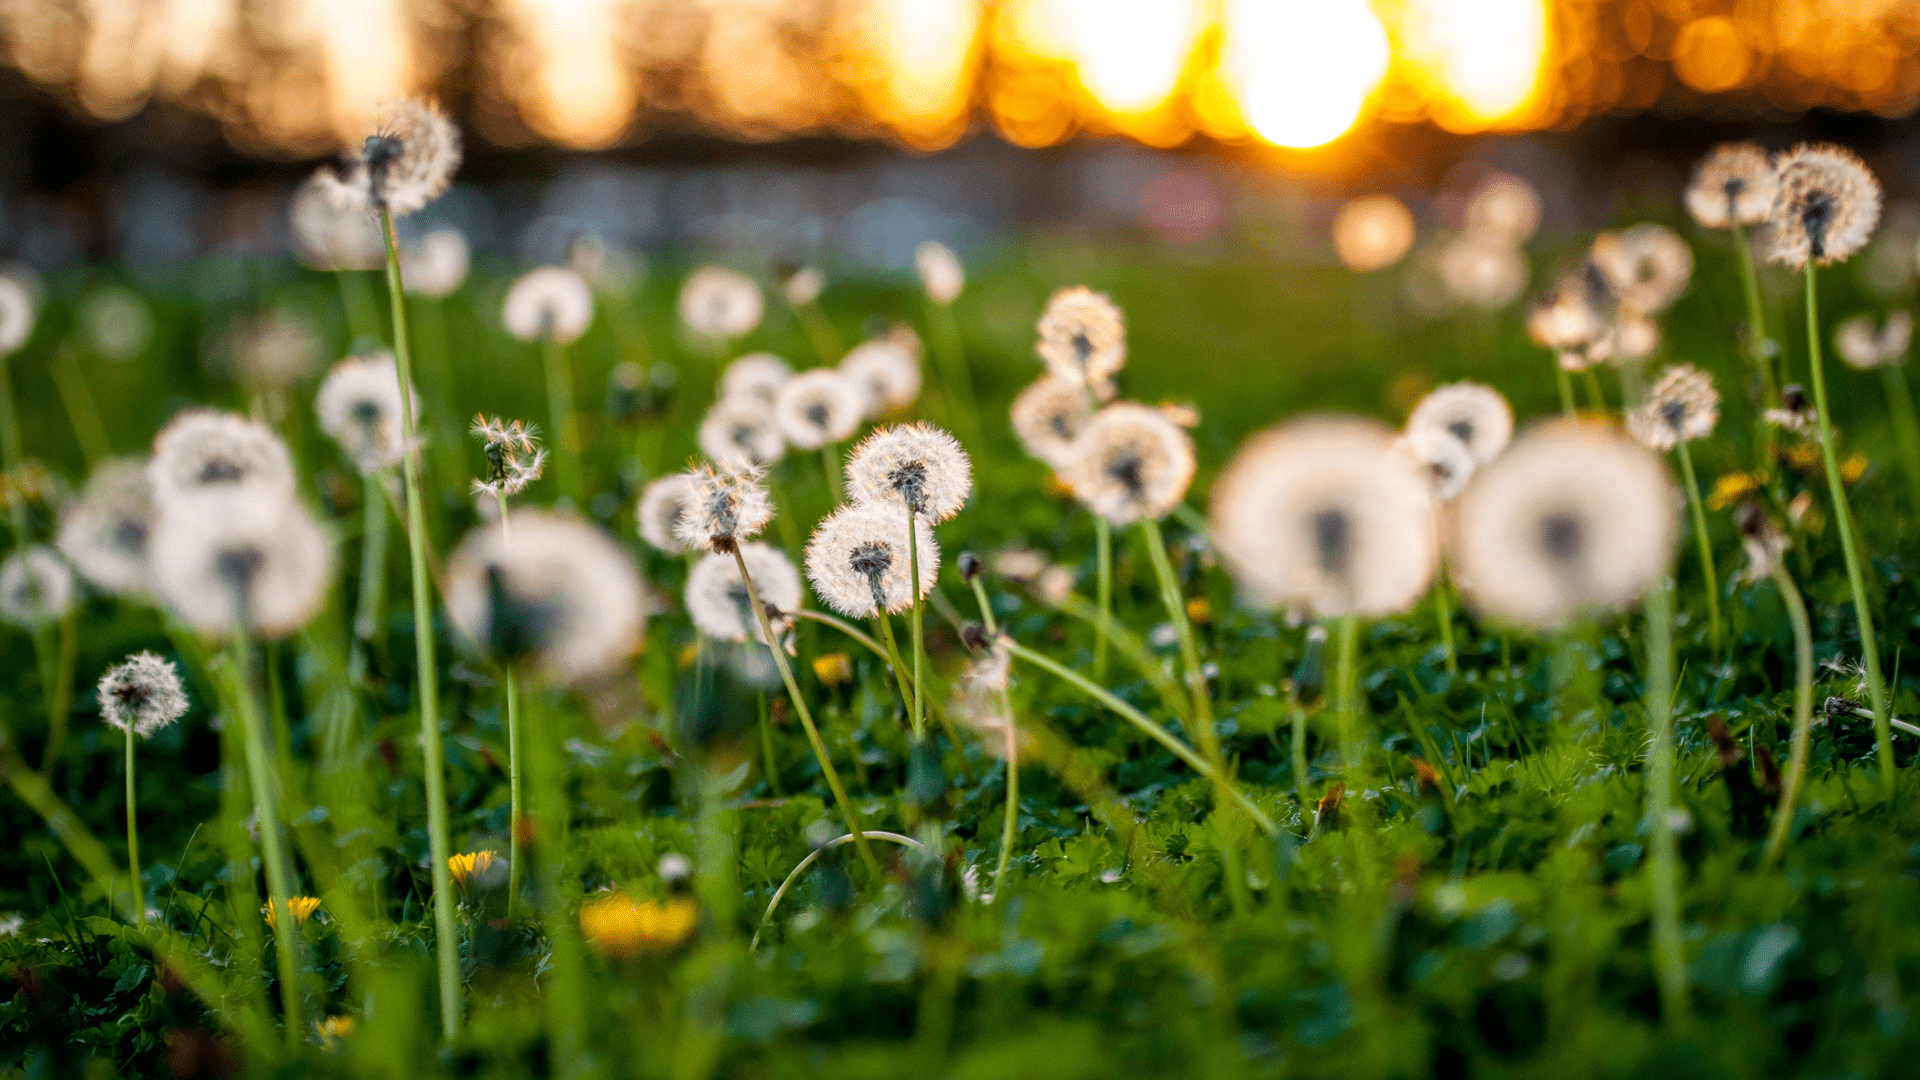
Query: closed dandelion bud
x: 104, y: 533
x: 550, y: 303
x: 969, y: 564
x: 142, y: 694
x: 860, y: 565
x: 719, y: 303
x: 916, y: 466
x: 1827, y: 206
x: 1733, y: 185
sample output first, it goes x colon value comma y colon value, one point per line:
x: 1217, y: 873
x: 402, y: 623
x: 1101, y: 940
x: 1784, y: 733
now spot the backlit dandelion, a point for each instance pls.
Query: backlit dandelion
x: 1733, y: 185
x: 1682, y: 406
x: 558, y: 593
x: 741, y: 431
x: 1048, y: 415
x: 1572, y: 519
x: 803, y: 286
x: 1503, y: 208
x: 1648, y: 266
x: 104, y: 532
x: 359, y: 405
x: 1477, y: 415
x: 548, y: 303
x: 719, y: 303
x: 1130, y: 462
x: 327, y: 235
x: 755, y: 375
x: 858, y: 561
x: 436, y: 265
x: 142, y: 694
x: 818, y: 407
x: 241, y: 559
x: 1481, y: 272
x: 1572, y: 313
x: 1083, y: 337
x: 1864, y: 345
x: 717, y: 599
x: 17, y: 313
x: 273, y: 351
x: 407, y: 162
x: 204, y: 451
x: 1372, y: 233
x: 728, y: 506
x: 941, y: 274
x: 915, y: 465
x: 662, y: 505
x: 1826, y: 208
x: 1635, y: 337
x: 514, y: 456
x: 887, y: 372
x: 36, y: 588
x: 1443, y: 457
x: 1324, y: 514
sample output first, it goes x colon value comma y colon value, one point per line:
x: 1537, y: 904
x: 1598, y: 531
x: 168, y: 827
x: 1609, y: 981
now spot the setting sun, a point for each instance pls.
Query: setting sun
x: 1303, y: 68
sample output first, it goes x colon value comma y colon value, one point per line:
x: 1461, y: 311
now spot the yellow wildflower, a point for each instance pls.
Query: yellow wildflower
x: 1852, y: 469
x: 333, y: 1029
x: 1198, y: 610
x: 470, y: 867
x: 302, y: 907
x: 1730, y: 489
x: 619, y: 926
x: 688, y: 655
x: 1803, y: 456
x: 833, y: 668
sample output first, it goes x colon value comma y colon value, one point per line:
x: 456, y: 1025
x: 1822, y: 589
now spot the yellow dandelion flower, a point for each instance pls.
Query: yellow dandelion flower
x: 1802, y: 456
x: 1198, y: 610
x: 302, y: 907
x: 688, y: 655
x: 471, y: 867
x: 1731, y: 488
x: 833, y: 669
x: 621, y: 927
x: 1852, y: 469
x: 333, y: 1029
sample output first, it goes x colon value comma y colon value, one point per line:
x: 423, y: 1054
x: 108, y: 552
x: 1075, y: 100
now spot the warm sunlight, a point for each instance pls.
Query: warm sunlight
x: 1303, y: 68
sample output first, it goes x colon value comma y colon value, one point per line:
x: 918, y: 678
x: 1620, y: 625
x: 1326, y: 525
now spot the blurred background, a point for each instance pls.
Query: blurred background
x: 843, y: 132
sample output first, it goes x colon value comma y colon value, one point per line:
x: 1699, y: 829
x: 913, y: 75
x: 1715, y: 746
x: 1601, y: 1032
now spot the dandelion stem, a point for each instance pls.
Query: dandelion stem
x: 1906, y: 431
x: 1704, y: 542
x: 1103, y: 595
x: 1299, y: 750
x: 1849, y: 547
x: 516, y: 815
x: 133, y: 837
x: 1134, y: 650
x: 566, y: 433
x: 1175, y: 604
x: 806, y: 718
x: 1669, y: 957
x: 830, y: 464
x: 373, y: 560
x: 1011, y: 828
x: 919, y: 644
x: 1346, y: 702
x: 1566, y: 389
x: 884, y: 623
x: 1757, y: 345
x: 1595, y: 396
x: 1443, y: 615
x: 846, y: 628
x: 565, y: 995
x: 955, y: 377
x: 1802, y: 714
x: 273, y: 853
x: 769, y: 763
x: 439, y: 850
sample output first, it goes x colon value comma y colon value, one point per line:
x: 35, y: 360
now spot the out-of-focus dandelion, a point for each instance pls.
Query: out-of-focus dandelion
x: 17, y: 313
x: 717, y: 599
x: 139, y: 696
x: 858, y: 561
x: 803, y: 286
x: 36, y: 588
x: 472, y: 869
x: 1129, y: 463
x: 205, y: 451
x: 609, y: 268
x: 1734, y: 185
x: 1681, y: 407
x: 242, y: 561
x: 662, y: 504
x: 1505, y: 208
x: 1445, y: 459
x: 1475, y: 414
x: 359, y: 405
x: 116, y: 322
x: 727, y: 506
x: 514, y: 457
x: 741, y: 431
x: 104, y: 532
x: 1648, y: 266
x: 1048, y: 416
x: 407, y: 162
x: 755, y: 375
x: 1575, y: 318
x: 941, y: 274
x: 622, y: 928
x: 333, y: 1031
x: 548, y: 303
x: 302, y: 908
x: 1083, y: 338
x: 329, y: 236
x: 435, y: 265
x: 887, y: 373
x: 817, y: 407
x: 1765, y: 544
x: 720, y: 304
x: 1372, y: 233
x: 1884, y: 348
x: 271, y: 351
x: 1483, y: 272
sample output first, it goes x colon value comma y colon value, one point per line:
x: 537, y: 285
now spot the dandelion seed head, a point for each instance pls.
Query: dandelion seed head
x: 728, y: 506
x: 605, y: 266
x: 1735, y: 184
x: 359, y: 405
x: 407, y: 162
x: 941, y: 274
x: 755, y: 375
x: 17, y: 313
x: 241, y: 557
x: 886, y: 371
x: 803, y: 286
x: 1681, y: 407
x: 1475, y: 414
x: 1504, y: 208
x: 436, y: 265
x: 514, y: 457
x: 1129, y: 463
x: 116, y: 322
x: 142, y: 694
x: 1864, y: 345
x: 1635, y: 337
x: 549, y: 303
x: 662, y: 505
x: 1826, y: 208
x: 717, y: 598
x: 1445, y: 460
x: 36, y: 587
x: 1647, y: 266
x: 328, y: 232
x: 272, y: 351
x: 719, y: 303
x: 1372, y: 233
x: 1083, y: 337
x: 858, y: 555
x: 818, y: 407
x: 917, y: 466
x: 1048, y: 415
x: 1483, y: 272
x: 203, y: 451
x: 104, y: 533
x: 1574, y: 312
x: 741, y: 431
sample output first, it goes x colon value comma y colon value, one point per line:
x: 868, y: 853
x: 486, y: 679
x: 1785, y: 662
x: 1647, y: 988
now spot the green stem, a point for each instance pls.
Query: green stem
x: 373, y: 559
x: 1103, y: 594
x: 1802, y: 714
x: 1670, y: 963
x: 439, y: 850
x: 806, y: 719
x: 1346, y: 703
x: 1757, y: 337
x: 1595, y: 396
x: 1175, y: 603
x: 266, y: 807
x: 1443, y: 615
x: 770, y: 763
x: 83, y: 411
x: 884, y: 623
x: 1010, y: 829
x: 565, y: 996
x: 1906, y: 431
x: 516, y: 815
x: 1704, y: 542
x: 566, y: 434
x: 1566, y: 388
x: 914, y: 628
x: 133, y: 838
x: 1856, y: 578
x: 1299, y: 748
x: 830, y: 464
x: 846, y: 628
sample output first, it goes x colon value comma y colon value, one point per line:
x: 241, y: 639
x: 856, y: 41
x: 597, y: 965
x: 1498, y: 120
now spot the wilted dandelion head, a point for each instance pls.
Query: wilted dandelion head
x: 917, y: 466
x: 1574, y: 312
x: 1372, y: 233
x: 142, y: 694
x: 1863, y: 345
x: 241, y: 558
x: 803, y: 286
x: 941, y: 274
x: 329, y: 234
x: 271, y: 351
x: 553, y: 592
x: 728, y: 506
x: 1130, y: 462
x: 1826, y: 208
x: 549, y: 303
x: 1447, y: 462
x: 1505, y: 208
x: 755, y: 375
x: 36, y: 587
x: 1647, y: 265
x: 204, y: 451
x: 662, y: 505
x: 717, y: 598
x: 16, y: 313
x: 719, y: 303
x: 1473, y: 413
x: 1083, y: 338
x: 1325, y: 514
x: 105, y: 531
x: 407, y: 162
x: 860, y: 565
x: 436, y: 264
x: 1572, y: 518
x: 818, y: 407
x: 360, y: 406
x: 887, y: 373
x: 1048, y: 416
x: 1681, y: 407
x: 741, y: 431
x: 1733, y: 185
x: 1483, y: 272
x: 514, y: 456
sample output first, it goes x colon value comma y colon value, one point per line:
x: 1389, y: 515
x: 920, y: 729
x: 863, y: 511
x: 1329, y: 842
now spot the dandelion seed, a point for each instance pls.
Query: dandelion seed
x: 36, y: 588
x: 514, y: 457
x: 717, y: 598
x: 859, y: 563
x: 1130, y: 463
x: 728, y: 506
x: 142, y: 694
x: 204, y: 451
x: 1474, y: 414
x: 560, y: 595
x: 662, y: 505
x: 406, y: 163
x: 803, y: 286
x: 1572, y: 518
x: 887, y: 372
x: 104, y: 532
x: 330, y: 236
x: 1865, y: 346
x: 719, y: 303
x: 436, y: 265
x: 17, y: 312
x: 1826, y: 208
x: 1048, y: 416
x: 1325, y: 514
x: 241, y: 558
x: 917, y: 465
x: 549, y: 303
x: 1681, y: 407
x: 1083, y: 337
x: 755, y: 375
x: 1733, y: 185
x: 818, y: 407
x: 1503, y: 208
x: 1484, y: 273
x: 1647, y: 266
x: 740, y: 431
x: 941, y: 274
x: 359, y: 405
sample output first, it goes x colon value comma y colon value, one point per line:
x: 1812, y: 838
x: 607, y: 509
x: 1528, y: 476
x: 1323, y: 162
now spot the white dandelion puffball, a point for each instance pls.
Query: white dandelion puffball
x: 1826, y: 208
x: 941, y: 274
x: 436, y: 265
x: 1131, y: 462
x: 1481, y: 272
x: 755, y: 375
x: 273, y: 351
x: 104, y: 532
x: 1326, y: 514
x: 887, y: 373
x: 16, y: 313
x: 1863, y: 345
x: 1733, y: 185
x: 1048, y: 416
x: 1372, y: 233
x: 727, y: 506
x: 1443, y: 457
x: 1504, y: 208
x: 203, y: 451
x: 1648, y: 266
x: 741, y: 431
x: 1572, y: 313
x: 1475, y: 414
x: 359, y: 405
x: 550, y: 303
x: 407, y: 162
x: 328, y: 235
x: 717, y: 598
x: 549, y: 589
x: 1572, y: 519
x: 719, y: 303
x: 1083, y: 337
x: 662, y: 505
x: 142, y: 694
x: 818, y: 407
x: 1635, y: 337
x: 1681, y: 407
x: 860, y: 565
x: 916, y: 466
x: 803, y: 286
x: 242, y: 557
x: 36, y: 588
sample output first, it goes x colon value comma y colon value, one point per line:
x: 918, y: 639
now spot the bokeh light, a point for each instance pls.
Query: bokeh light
x: 1303, y: 68
x: 1373, y: 232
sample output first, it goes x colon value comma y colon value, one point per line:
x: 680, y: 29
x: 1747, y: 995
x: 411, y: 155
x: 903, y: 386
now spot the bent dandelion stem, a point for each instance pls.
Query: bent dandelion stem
x: 1704, y: 543
x: 1802, y: 714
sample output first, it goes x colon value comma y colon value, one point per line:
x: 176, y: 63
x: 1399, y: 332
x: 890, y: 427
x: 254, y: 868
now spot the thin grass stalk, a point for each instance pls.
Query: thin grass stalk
x: 1757, y: 346
x: 1011, y: 827
x: 1443, y: 615
x: 373, y: 560
x: 955, y: 377
x: 83, y: 411
x: 1670, y: 964
x: 1802, y: 714
x: 806, y: 718
x: 517, y: 814
x: 1704, y: 542
x: 1135, y: 650
x: 446, y: 928
x: 1566, y: 389
x: 1596, y: 397
x: 1346, y: 702
x: 566, y: 432
x: 1906, y: 432
x: 273, y: 853
x: 133, y: 839
x: 1856, y: 578
x: 1103, y: 592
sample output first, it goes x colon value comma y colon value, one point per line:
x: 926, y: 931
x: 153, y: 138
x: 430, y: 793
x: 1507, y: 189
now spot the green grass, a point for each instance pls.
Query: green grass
x: 1503, y: 932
